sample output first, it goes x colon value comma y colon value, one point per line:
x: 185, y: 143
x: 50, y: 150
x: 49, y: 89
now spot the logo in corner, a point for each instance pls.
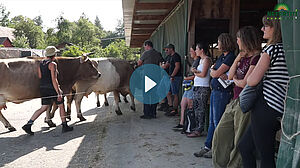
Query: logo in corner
x: 282, y: 11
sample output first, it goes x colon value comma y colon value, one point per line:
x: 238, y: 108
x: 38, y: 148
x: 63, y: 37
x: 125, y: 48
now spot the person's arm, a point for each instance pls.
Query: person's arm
x: 39, y: 72
x: 259, y: 70
x: 232, y: 70
x: 176, y: 69
x: 53, y: 69
x: 206, y: 65
x: 189, y: 78
x: 140, y: 62
x: 242, y: 82
x: 220, y: 71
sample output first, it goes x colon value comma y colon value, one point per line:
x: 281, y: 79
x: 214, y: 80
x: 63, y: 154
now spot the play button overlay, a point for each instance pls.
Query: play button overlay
x: 149, y: 84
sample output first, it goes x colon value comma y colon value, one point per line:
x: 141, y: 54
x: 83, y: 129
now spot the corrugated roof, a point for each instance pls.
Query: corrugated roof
x: 7, y: 32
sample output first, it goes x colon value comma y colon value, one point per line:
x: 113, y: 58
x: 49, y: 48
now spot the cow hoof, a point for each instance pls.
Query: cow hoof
x: 69, y: 118
x: 98, y: 104
x: 132, y: 108
x: 119, y: 112
x: 125, y: 100
x: 12, y: 129
x: 106, y: 104
x: 50, y: 123
x: 81, y: 118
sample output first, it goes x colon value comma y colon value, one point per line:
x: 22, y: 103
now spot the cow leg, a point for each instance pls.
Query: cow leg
x: 98, y: 100
x: 117, y: 98
x: 50, y: 115
x: 132, y: 106
x: 105, y: 100
x: 70, y: 98
x: 78, y: 99
x: 125, y: 99
x: 5, y: 122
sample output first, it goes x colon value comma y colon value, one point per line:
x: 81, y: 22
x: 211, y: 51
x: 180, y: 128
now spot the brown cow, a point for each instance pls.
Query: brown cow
x: 115, y: 78
x: 20, y: 82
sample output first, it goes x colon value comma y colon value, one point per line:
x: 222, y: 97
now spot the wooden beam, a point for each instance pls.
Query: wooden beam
x: 133, y: 37
x: 153, y: 6
x: 149, y: 17
x: 142, y: 31
x: 150, y: 26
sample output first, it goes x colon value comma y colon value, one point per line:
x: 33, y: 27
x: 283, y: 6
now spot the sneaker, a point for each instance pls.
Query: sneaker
x: 203, y: 151
x: 66, y: 129
x: 179, y: 127
x: 27, y: 129
x: 208, y: 154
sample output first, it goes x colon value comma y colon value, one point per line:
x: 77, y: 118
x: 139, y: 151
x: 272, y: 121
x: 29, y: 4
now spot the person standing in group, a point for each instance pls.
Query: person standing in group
x: 234, y: 122
x: 187, y: 97
x: 175, y: 77
x: 267, y: 111
x: 201, y: 88
x: 50, y: 90
x: 220, y: 96
x: 150, y: 56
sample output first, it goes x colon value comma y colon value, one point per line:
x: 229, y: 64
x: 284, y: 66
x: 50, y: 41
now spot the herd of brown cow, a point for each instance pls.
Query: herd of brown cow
x: 81, y: 76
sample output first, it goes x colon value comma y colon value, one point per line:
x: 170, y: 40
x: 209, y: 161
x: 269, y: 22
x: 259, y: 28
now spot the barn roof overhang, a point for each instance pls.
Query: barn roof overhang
x: 142, y: 18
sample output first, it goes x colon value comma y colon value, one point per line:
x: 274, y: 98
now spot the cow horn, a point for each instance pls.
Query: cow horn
x: 83, y: 59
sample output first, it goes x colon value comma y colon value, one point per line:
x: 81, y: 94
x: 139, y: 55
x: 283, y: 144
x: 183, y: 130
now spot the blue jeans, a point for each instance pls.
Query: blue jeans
x: 218, y: 102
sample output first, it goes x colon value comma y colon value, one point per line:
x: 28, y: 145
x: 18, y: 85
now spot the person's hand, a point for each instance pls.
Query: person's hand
x: 224, y: 77
x: 59, y: 97
x: 185, y: 78
x: 172, y: 79
x: 193, y: 69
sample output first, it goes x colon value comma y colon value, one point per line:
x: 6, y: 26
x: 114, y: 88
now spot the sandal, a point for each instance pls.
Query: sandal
x: 173, y: 112
x: 194, y: 134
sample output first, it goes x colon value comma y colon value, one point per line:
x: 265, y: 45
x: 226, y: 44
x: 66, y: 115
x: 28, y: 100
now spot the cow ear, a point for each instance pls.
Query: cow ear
x: 83, y: 59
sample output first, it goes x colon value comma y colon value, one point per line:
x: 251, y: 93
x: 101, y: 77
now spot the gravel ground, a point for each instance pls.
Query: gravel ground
x: 105, y: 140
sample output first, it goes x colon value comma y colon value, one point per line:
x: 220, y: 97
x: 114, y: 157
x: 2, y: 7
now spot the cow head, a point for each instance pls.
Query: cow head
x: 87, y: 69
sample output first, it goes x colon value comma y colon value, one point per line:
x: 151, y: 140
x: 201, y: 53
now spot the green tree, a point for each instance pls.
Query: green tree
x: 118, y: 49
x: 73, y: 51
x: 85, y: 33
x: 21, y: 42
x: 65, y: 29
x: 119, y: 30
x: 4, y: 21
x: 98, y: 23
x: 27, y: 27
x: 51, y: 37
x: 38, y: 20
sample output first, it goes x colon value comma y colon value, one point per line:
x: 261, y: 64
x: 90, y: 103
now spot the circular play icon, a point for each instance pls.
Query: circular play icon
x: 149, y: 84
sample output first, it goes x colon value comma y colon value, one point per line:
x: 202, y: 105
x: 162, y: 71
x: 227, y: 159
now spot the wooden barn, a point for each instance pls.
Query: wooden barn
x: 186, y: 22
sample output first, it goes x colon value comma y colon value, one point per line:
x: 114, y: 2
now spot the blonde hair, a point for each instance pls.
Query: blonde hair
x: 275, y: 24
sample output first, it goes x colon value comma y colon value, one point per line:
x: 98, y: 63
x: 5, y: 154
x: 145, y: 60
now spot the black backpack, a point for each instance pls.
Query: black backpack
x: 189, y: 121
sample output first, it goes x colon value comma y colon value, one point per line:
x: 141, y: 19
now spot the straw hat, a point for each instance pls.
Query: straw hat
x: 51, y: 51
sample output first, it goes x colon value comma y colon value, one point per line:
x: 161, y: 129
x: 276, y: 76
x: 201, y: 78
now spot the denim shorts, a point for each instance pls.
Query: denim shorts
x: 175, y: 85
x: 188, y: 93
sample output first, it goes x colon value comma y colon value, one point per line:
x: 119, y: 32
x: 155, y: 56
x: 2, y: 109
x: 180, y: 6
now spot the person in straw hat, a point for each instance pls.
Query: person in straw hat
x: 49, y: 90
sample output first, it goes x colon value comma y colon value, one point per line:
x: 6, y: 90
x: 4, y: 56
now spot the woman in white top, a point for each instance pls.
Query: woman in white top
x: 201, y: 88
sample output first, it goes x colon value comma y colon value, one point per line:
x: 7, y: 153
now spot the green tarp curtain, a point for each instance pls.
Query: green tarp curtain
x: 172, y: 31
x: 289, y: 151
